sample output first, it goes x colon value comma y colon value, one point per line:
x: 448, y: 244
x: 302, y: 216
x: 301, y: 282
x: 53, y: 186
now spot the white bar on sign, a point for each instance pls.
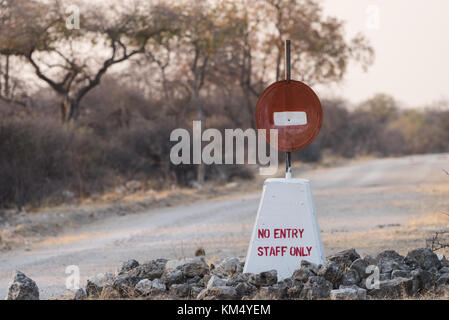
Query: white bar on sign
x: 290, y: 118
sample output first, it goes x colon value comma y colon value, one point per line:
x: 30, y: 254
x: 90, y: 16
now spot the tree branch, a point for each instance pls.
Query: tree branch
x: 106, y: 65
x: 56, y: 86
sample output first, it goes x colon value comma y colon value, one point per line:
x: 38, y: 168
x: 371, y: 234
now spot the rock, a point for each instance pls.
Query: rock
x: 263, y: 279
x: 125, y: 285
x: 200, y: 252
x: 344, y: 258
x: 79, y: 294
x: 218, y: 293
x: 348, y: 293
x: 190, y: 267
x: 204, y: 280
x: 444, y: 262
x: 294, y: 292
x: 390, y: 260
x: 422, y: 280
x: 302, y: 274
x: 229, y: 266
x: 394, y: 288
x: 127, y: 266
x: 385, y: 276
x: 359, y: 266
x: 180, y: 290
x: 443, y: 280
x: 238, y: 278
x: 157, y: 287
x: 172, y: 277
x: 351, y: 277
x: 444, y: 270
x: 215, y: 281
x: 411, y: 262
x: 245, y: 289
x: 331, y: 271
x: 269, y: 277
x: 433, y: 270
x: 370, y: 260
x: 287, y: 283
x: 143, y: 287
x: 274, y: 292
x: 147, y: 287
x: 149, y: 270
x: 22, y: 288
x: 390, y: 255
x: 197, y: 267
x: 310, y: 266
x: 387, y: 266
x: 195, y: 280
x: 195, y: 290
x: 95, y: 284
x: 316, y: 288
x: 426, y: 258
x: 133, y: 185
x: 401, y: 274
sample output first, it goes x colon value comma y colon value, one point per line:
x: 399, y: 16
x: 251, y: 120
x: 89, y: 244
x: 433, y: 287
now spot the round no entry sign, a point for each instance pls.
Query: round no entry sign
x: 294, y: 110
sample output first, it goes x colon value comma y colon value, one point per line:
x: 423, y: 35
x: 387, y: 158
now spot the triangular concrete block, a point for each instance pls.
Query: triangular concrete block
x: 286, y: 229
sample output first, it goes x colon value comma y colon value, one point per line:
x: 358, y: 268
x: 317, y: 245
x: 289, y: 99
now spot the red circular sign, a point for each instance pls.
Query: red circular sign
x: 294, y: 110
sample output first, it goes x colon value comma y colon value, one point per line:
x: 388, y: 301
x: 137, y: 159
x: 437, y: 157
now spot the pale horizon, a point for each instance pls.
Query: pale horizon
x: 411, y: 47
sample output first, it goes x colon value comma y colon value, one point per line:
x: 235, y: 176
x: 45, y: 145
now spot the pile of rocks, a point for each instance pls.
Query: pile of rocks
x: 344, y: 275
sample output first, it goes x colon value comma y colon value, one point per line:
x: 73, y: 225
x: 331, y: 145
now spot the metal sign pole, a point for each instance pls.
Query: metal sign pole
x: 287, y: 76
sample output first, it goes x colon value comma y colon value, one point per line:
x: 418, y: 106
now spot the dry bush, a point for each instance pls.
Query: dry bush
x: 33, y: 161
x: 123, y: 135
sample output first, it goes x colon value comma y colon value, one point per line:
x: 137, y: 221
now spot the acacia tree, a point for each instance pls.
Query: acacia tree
x: 321, y: 53
x: 235, y: 62
x: 73, y: 62
x: 11, y: 87
x: 203, y: 40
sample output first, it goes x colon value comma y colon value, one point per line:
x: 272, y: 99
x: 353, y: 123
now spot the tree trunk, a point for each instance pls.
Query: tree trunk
x: 69, y: 110
x: 6, y: 77
x: 249, y: 107
x: 200, y: 170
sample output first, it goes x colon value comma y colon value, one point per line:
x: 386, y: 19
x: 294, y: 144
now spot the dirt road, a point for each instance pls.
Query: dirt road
x: 368, y: 205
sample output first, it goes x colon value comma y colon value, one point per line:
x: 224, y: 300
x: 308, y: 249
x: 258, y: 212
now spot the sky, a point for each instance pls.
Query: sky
x: 411, y: 41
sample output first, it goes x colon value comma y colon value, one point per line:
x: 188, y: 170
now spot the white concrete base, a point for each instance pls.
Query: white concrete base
x: 286, y: 205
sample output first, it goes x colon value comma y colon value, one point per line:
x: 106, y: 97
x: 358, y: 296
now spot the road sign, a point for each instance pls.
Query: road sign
x: 294, y: 110
x: 286, y: 229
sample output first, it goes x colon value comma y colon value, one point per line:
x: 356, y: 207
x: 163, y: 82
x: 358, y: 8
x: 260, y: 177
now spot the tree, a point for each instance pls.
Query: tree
x: 383, y: 107
x: 203, y: 39
x: 73, y: 62
x: 11, y: 87
x: 256, y: 45
x: 320, y: 52
x: 235, y: 60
